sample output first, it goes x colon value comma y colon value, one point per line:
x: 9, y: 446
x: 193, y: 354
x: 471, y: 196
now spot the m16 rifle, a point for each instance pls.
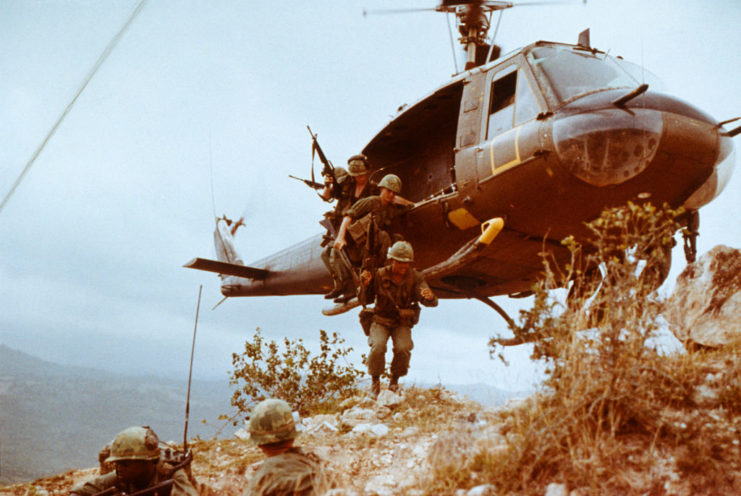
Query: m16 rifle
x: 327, y: 168
x: 162, y: 486
x: 308, y: 182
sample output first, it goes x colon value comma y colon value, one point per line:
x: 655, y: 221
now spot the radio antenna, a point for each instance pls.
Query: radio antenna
x: 190, y: 373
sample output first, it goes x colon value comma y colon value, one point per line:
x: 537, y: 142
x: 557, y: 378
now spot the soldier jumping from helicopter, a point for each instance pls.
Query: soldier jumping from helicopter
x: 399, y: 289
x: 367, y: 221
x: 347, y: 188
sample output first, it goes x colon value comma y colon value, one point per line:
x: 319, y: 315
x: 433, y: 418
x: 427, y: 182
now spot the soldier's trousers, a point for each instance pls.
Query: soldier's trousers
x: 340, y: 271
x: 401, y: 337
x: 327, y: 260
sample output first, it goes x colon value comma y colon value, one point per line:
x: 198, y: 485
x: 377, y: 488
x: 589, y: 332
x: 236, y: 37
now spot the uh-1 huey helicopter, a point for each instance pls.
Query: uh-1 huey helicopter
x: 509, y: 157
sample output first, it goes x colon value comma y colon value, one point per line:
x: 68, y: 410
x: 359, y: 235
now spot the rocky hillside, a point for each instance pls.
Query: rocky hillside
x: 666, y: 425
x: 371, y: 447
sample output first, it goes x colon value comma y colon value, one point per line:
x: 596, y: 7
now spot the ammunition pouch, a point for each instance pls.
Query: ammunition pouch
x: 359, y: 229
x: 366, y: 319
x: 408, y: 317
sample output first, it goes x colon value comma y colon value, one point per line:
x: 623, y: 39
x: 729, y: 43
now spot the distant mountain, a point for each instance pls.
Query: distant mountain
x: 56, y: 417
x: 486, y: 394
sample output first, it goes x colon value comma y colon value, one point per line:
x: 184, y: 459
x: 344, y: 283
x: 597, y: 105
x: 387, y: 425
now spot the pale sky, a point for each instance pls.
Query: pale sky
x: 92, y: 243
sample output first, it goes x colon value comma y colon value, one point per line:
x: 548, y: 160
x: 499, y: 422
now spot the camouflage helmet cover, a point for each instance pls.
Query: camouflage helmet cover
x: 357, y: 165
x: 272, y: 422
x: 340, y: 174
x: 391, y: 182
x: 401, y: 251
x: 135, y: 443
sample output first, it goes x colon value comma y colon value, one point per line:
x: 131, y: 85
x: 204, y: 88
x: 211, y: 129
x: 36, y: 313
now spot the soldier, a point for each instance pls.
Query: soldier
x: 334, y: 187
x: 354, y: 188
x: 399, y: 289
x: 288, y: 470
x: 135, y: 454
x: 367, y: 221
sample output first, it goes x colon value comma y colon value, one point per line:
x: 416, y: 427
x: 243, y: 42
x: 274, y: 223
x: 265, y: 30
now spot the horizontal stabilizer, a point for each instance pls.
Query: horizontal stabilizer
x: 227, y: 268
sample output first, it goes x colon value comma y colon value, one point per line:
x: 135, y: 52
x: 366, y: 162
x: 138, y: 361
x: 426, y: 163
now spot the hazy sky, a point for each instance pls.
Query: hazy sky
x: 92, y: 243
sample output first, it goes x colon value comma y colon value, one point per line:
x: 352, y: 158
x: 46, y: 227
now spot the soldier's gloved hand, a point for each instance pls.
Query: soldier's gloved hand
x: 427, y: 294
x: 365, y: 277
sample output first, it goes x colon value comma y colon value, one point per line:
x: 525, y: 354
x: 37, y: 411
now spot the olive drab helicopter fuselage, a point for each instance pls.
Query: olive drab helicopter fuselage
x: 508, y: 158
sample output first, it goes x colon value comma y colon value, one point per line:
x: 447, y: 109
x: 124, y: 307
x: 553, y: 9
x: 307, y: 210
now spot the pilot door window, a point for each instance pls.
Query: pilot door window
x: 506, y: 111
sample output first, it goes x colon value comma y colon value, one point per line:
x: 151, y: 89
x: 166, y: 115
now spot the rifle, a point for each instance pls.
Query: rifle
x: 308, y: 182
x: 114, y: 491
x: 370, y: 262
x: 327, y: 224
x: 328, y: 169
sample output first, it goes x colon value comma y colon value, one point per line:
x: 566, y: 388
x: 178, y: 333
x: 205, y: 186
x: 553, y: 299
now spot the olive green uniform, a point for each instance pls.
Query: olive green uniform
x: 181, y: 484
x: 294, y: 472
x: 345, y: 199
x: 396, y: 311
x: 363, y: 212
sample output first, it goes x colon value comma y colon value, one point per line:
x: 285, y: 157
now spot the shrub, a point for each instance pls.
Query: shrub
x: 615, y: 416
x: 311, y: 384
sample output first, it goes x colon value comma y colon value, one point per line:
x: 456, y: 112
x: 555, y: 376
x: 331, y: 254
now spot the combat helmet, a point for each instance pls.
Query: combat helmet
x: 401, y: 251
x: 357, y: 165
x: 272, y: 422
x: 135, y: 443
x: 391, y: 182
x: 340, y: 174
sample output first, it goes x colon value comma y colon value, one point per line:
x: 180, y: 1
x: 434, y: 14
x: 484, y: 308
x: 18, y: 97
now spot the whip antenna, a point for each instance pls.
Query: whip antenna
x: 190, y: 373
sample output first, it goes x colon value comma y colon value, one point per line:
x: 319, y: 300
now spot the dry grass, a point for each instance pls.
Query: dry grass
x: 614, y: 415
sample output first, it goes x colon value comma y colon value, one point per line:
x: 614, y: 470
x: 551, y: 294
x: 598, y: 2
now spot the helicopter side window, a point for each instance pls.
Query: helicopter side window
x: 526, y: 107
x: 502, y: 108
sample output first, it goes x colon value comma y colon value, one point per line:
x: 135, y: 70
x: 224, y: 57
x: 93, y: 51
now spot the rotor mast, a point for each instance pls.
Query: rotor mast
x: 473, y: 18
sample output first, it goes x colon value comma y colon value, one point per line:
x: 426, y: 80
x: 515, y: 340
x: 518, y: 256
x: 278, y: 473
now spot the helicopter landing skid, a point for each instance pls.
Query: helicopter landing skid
x: 340, y: 308
x: 488, y: 301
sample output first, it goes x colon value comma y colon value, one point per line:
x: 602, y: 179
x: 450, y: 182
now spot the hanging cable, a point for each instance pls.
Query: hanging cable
x: 494, y: 36
x: 103, y: 56
x: 452, y: 44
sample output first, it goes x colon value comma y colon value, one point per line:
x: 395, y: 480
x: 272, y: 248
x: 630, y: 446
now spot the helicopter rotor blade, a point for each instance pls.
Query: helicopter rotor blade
x: 397, y: 11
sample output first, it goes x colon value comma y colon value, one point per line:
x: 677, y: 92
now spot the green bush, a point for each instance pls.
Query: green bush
x: 311, y: 384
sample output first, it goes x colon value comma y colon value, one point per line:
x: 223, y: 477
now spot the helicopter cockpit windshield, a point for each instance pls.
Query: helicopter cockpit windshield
x: 574, y: 72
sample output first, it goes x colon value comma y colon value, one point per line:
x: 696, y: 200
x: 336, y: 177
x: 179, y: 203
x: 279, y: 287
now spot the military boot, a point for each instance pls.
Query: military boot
x: 338, y: 290
x: 394, y: 383
x: 348, y: 294
x: 376, y: 386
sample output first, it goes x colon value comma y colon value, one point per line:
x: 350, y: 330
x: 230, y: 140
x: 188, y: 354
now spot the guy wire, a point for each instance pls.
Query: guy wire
x: 103, y: 56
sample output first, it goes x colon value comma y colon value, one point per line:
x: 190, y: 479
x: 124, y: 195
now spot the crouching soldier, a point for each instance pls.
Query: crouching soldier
x: 135, y: 455
x: 288, y: 470
x: 398, y: 290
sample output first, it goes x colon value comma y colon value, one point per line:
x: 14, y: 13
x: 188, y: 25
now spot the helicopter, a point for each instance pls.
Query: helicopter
x: 508, y: 157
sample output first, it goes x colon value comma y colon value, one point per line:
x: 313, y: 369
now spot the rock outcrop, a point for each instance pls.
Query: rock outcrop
x: 705, y: 308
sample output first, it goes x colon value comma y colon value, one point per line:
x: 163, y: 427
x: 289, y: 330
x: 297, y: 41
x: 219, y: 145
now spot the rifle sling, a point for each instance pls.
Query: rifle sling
x: 114, y: 491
